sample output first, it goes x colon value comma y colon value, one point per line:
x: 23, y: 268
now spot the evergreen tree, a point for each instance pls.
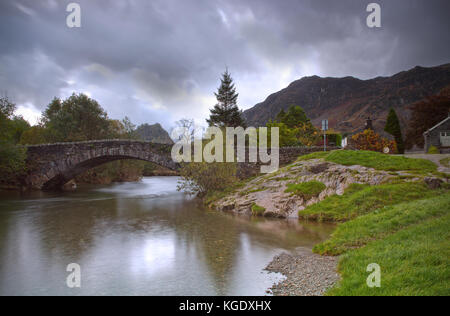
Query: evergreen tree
x: 226, y: 113
x: 280, y: 116
x: 393, y: 127
x: 295, y: 117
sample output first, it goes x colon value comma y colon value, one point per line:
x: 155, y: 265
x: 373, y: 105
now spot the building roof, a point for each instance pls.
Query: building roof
x: 437, y: 125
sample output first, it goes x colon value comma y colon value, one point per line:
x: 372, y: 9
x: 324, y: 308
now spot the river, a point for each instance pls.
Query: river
x: 142, y: 238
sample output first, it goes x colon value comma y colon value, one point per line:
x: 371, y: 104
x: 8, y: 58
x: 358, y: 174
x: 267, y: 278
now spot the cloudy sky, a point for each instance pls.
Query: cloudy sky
x: 160, y: 60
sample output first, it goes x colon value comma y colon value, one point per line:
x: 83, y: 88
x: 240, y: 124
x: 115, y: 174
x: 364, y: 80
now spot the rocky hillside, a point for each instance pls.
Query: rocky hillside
x: 320, y: 175
x: 347, y: 102
x: 154, y: 133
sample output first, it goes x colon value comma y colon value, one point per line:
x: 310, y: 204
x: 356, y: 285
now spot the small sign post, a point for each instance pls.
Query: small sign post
x: 324, y: 129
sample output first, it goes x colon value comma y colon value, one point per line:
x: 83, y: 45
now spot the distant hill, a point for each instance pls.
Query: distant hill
x: 347, y: 102
x: 154, y: 133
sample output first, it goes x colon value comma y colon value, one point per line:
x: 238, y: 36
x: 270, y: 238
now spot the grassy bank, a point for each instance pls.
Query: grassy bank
x: 400, y: 224
x: 380, y: 161
x: 413, y: 261
x: 360, y: 199
x: 402, y: 227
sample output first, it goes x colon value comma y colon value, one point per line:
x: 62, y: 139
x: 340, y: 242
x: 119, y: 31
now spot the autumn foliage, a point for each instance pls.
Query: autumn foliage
x: 369, y: 140
x: 425, y: 114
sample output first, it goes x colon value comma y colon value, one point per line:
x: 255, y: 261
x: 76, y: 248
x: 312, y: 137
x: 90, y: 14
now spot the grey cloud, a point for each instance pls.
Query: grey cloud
x: 161, y: 60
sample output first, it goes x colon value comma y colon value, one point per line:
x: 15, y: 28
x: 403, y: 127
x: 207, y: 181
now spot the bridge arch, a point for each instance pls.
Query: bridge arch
x: 51, y: 166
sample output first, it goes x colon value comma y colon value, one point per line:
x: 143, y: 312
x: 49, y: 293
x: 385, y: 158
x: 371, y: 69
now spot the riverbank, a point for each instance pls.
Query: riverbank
x: 391, y: 210
x: 307, y: 274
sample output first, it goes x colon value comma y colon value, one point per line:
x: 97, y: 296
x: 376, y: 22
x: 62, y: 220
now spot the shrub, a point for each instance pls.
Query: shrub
x: 369, y: 140
x: 199, y: 178
x: 433, y: 150
x: 306, y: 190
x: 257, y: 210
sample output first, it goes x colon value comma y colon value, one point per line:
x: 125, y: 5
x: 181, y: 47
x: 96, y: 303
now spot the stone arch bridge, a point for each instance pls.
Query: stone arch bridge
x: 53, y: 165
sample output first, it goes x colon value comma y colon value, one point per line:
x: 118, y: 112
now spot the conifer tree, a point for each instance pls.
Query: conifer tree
x: 393, y: 127
x: 280, y: 116
x: 226, y: 113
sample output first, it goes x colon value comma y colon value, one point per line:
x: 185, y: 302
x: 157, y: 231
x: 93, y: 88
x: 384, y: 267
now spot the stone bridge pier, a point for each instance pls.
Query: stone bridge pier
x: 53, y: 165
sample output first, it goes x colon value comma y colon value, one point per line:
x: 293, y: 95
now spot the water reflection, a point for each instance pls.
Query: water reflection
x: 138, y: 239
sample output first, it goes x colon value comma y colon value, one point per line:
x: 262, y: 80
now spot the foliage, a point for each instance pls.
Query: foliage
x: 12, y: 161
x: 12, y: 157
x: 361, y: 199
x: 295, y: 117
x: 115, y: 171
x: 369, y: 140
x: 426, y: 114
x: 287, y: 135
x: 257, y: 210
x: 33, y: 136
x: 226, y: 113
x: 295, y: 128
x: 380, y: 161
x: 306, y: 190
x: 433, y: 150
x: 199, y: 178
x: 393, y: 127
x: 77, y: 118
x: 385, y: 220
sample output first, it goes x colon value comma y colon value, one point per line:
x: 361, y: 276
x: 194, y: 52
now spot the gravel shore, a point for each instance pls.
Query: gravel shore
x: 307, y: 274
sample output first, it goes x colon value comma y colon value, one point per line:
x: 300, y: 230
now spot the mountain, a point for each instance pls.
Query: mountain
x: 347, y: 102
x: 154, y: 133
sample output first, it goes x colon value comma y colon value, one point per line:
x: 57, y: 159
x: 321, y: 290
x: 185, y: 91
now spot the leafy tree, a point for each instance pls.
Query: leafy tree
x: 12, y: 157
x: 129, y: 128
x: 35, y: 135
x: 77, y: 118
x: 226, y: 112
x: 393, y: 127
x: 425, y: 114
x: 295, y: 127
x: 288, y: 136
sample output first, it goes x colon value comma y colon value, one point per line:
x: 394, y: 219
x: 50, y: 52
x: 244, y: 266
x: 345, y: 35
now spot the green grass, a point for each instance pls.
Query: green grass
x: 413, y: 261
x: 445, y: 162
x: 307, y: 190
x: 383, y: 222
x: 380, y: 161
x: 315, y: 155
x: 257, y: 210
x: 361, y: 199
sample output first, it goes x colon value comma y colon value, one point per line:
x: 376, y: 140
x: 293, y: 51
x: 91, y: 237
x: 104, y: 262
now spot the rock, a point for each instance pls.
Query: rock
x: 433, y: 183
x: 319, y: 168
x: 269, y: 191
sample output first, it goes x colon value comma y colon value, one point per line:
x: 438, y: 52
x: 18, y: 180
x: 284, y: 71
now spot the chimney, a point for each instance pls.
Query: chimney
x: 368, y: 124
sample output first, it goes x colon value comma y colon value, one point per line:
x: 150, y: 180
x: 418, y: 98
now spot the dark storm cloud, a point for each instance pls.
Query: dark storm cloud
x: 160, y: 60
